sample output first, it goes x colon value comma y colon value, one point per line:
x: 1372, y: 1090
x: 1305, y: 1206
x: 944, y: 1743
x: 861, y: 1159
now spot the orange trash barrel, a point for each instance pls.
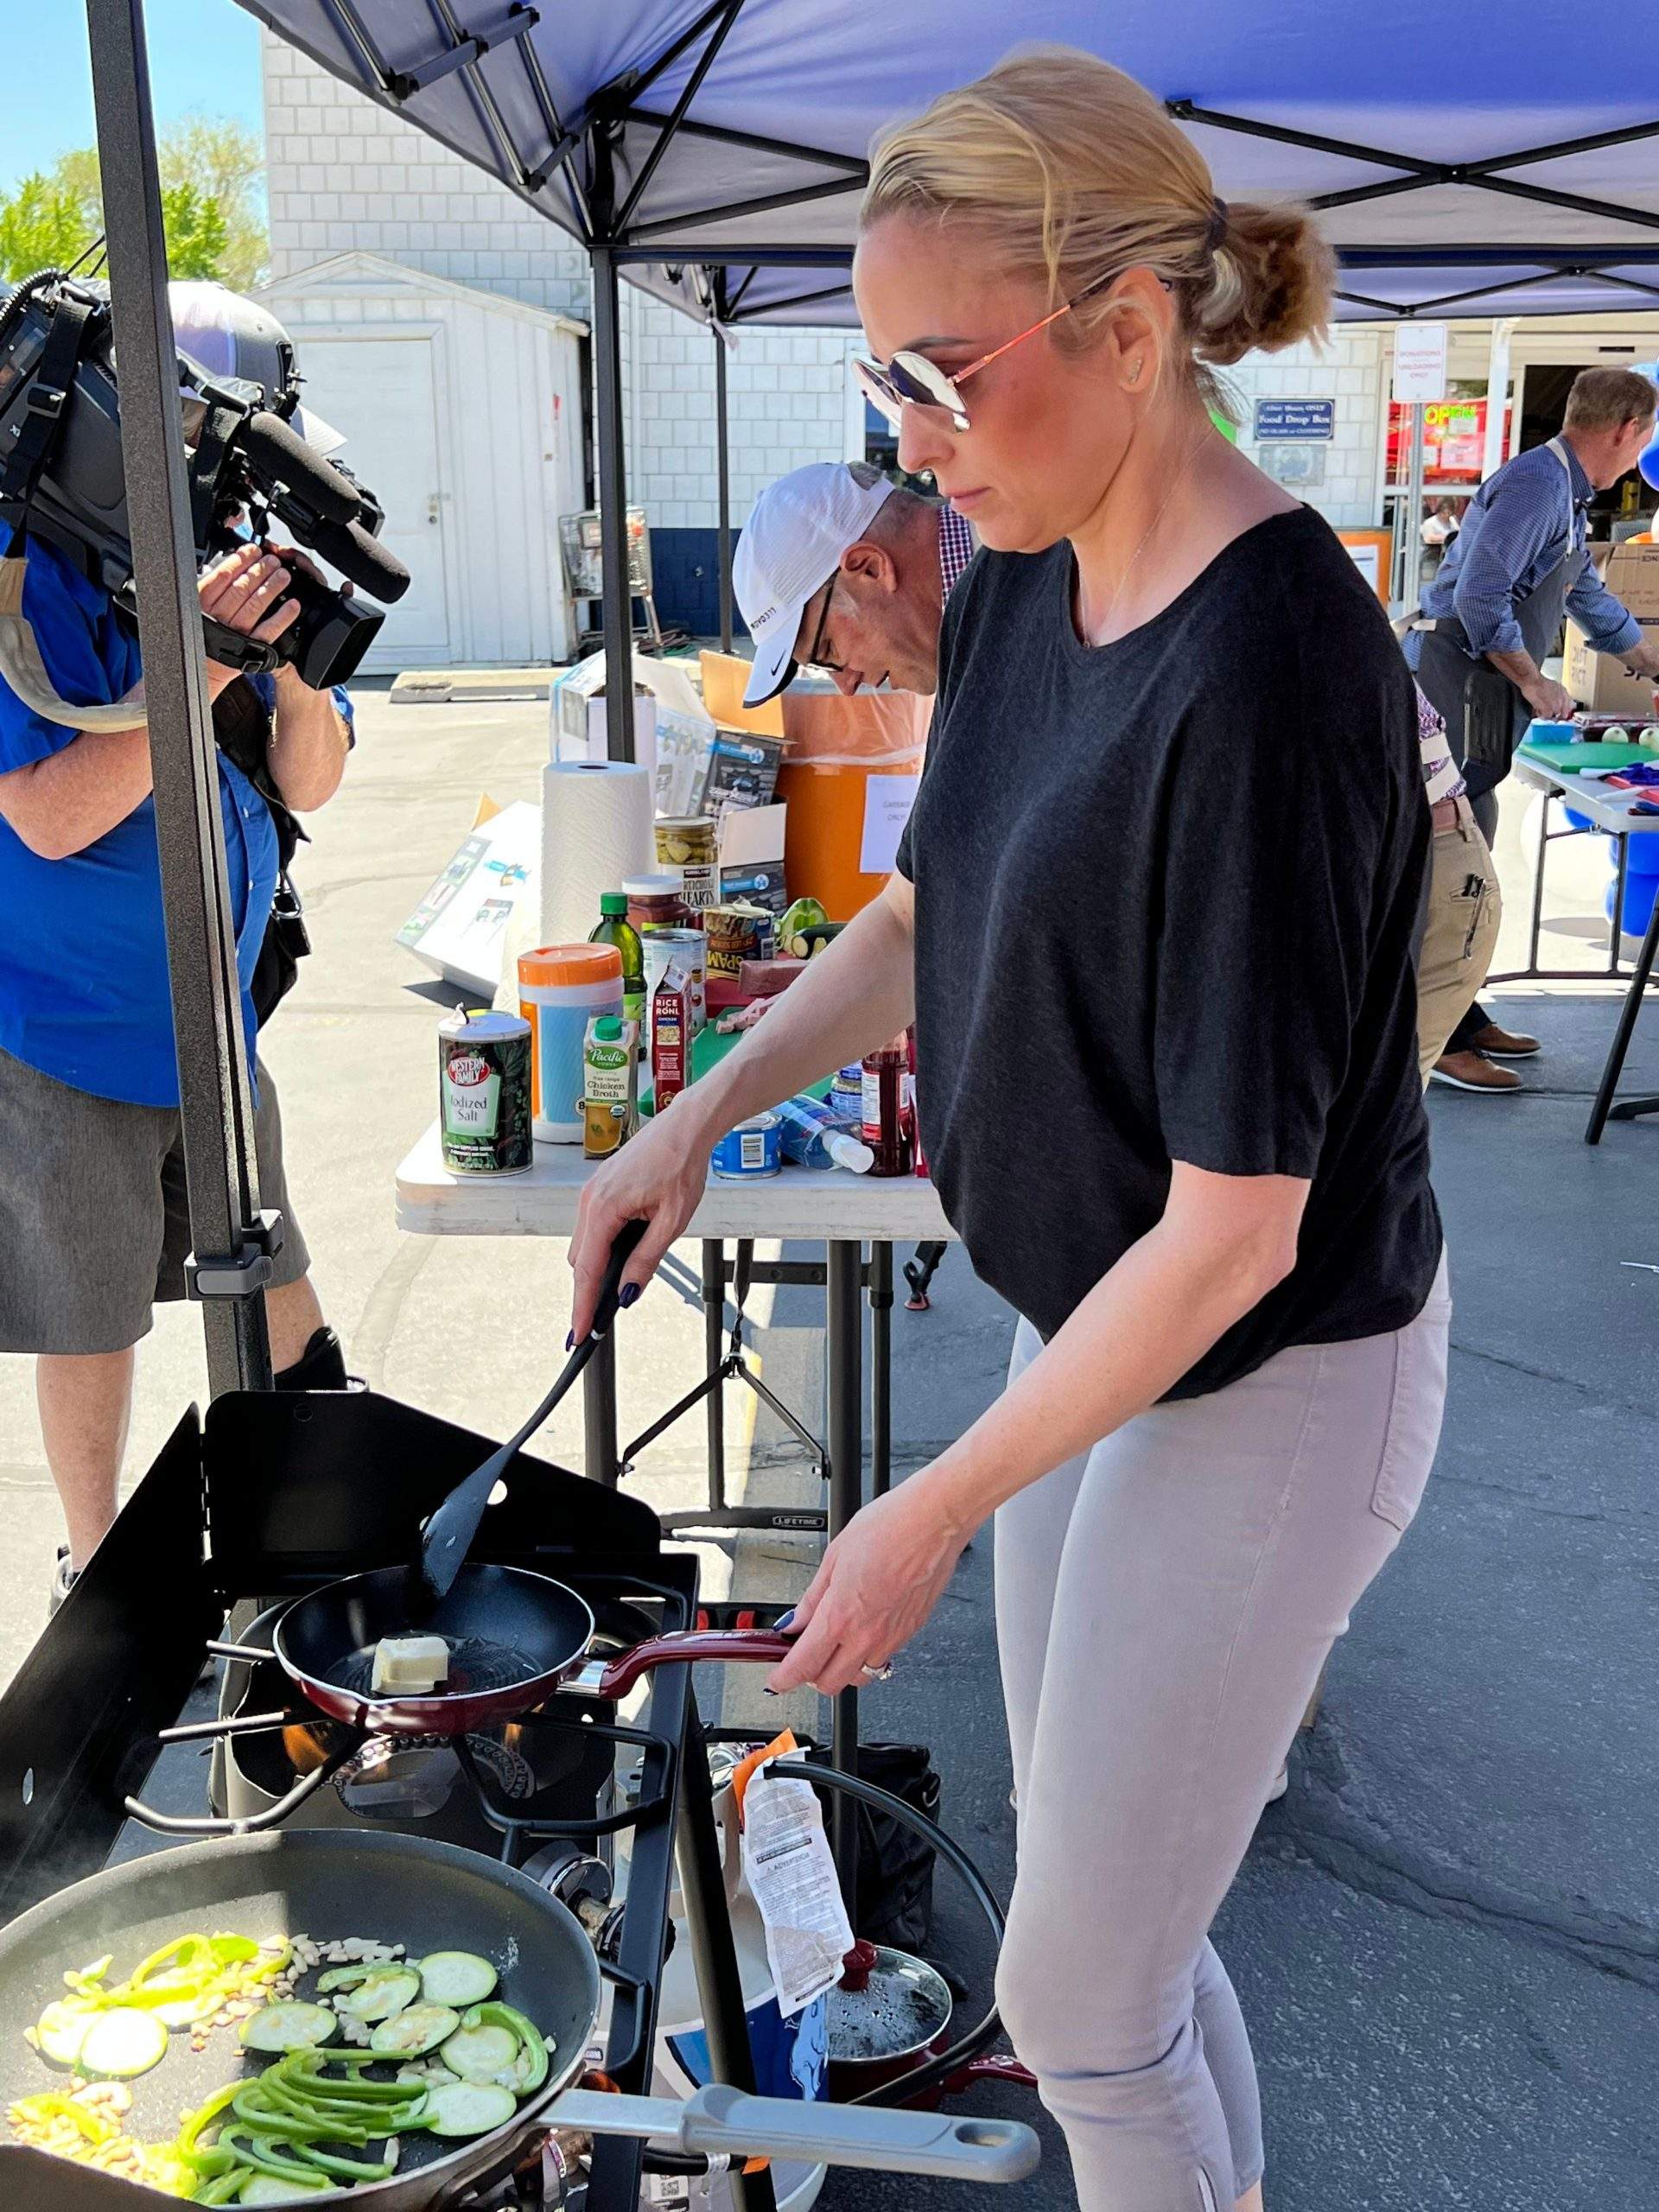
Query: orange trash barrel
x: 836, y: 746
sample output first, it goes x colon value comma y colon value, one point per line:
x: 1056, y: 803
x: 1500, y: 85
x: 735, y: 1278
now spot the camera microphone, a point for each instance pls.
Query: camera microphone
x: 276, y: 451
x: 352, y: 550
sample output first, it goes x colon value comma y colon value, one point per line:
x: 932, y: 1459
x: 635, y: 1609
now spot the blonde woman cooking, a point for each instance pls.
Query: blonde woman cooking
x: 1154, y: 919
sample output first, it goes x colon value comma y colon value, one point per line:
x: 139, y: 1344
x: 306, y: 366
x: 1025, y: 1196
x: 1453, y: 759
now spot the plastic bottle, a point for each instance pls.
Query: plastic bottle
x: 883, y: 1128
x: 614, y: 928
x: 815, y: 1135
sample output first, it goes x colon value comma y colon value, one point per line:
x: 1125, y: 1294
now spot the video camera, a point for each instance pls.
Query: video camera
x: 61, y: 481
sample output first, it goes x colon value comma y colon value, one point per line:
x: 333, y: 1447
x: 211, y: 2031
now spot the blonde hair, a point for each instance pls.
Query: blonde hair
x: 1064, y: 166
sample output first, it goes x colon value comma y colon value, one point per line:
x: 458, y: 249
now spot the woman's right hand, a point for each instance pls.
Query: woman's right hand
x: 658, y: 1176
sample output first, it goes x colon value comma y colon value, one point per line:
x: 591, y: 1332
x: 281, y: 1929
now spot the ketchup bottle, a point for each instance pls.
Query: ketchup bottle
x: 883, y: 1108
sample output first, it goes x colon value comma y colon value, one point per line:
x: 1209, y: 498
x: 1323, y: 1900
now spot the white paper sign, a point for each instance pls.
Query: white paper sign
x: 1419, y: 362
x: 887, y: 802
x: 792, y: 1877
x: 1364, y: 559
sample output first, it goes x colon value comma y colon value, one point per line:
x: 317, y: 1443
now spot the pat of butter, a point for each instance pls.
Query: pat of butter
x: 409, y: 1663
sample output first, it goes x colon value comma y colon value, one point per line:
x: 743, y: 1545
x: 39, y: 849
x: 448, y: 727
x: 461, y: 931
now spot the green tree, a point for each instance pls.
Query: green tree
x: 212, y: 207
x: 196, y: 233
x: 41, y: 227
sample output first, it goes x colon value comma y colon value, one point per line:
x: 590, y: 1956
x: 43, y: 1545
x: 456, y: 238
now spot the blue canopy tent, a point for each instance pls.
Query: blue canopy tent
x: 713, y: 151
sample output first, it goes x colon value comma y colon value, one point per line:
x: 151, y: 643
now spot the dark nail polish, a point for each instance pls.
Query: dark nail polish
x: 765, y: 1691
x: 570, y: 1341
x: 630, y: 1294
x: 786, y: 1621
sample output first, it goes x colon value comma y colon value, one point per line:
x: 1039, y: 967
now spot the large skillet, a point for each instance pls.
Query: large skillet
x: 431, y: 1896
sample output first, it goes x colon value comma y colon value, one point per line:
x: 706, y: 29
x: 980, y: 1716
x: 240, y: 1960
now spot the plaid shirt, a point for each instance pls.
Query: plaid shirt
x: 1442, y: 777
x: 957, y: 547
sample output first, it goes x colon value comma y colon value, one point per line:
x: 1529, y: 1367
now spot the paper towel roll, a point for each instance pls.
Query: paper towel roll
x: 596, y: 827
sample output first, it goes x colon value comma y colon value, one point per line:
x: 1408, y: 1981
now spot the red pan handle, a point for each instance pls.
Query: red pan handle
x: 990, y: 2066
x: 621, y: 1673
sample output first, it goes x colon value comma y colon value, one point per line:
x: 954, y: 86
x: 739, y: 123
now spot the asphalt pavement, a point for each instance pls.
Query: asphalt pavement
x: 1447, y: 1937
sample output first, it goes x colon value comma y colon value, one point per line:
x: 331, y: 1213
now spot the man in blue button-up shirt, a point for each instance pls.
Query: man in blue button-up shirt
x: 1493, y: 613
x: 93, y: 1222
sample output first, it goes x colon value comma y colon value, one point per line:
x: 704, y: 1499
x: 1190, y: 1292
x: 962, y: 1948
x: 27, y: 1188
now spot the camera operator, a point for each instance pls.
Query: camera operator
x: 93, y: 1222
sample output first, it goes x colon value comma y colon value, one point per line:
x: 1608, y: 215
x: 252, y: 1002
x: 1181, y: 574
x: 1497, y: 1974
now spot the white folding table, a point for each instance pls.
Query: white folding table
x: 1614, y: 812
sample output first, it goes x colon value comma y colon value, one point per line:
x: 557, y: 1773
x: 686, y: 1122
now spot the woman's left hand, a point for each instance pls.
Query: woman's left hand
x: 877, y: 1583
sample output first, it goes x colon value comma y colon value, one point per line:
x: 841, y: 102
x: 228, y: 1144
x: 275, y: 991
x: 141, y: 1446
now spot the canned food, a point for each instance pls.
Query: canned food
x: 484, y: 1094
x: 753, y: 1148
x: 736, y: 933
x: 688, y: 949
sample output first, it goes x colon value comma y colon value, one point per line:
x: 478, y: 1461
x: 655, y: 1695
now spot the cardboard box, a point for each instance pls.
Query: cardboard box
x: 1596, y: 680
x: 742, y: 771
x: 751, y: 857
x: 459, y: 928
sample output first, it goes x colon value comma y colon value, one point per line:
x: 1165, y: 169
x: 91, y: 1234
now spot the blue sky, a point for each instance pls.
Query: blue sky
x: 204, y: 59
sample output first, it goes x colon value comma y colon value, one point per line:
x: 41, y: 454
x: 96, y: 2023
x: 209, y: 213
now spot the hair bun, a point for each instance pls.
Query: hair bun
x: 1272, y: 282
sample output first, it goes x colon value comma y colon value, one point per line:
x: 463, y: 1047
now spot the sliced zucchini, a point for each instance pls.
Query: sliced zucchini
x: 62, y: 2030
x: 274, y: 2189
x: 383, y: 1991
x: 470, y: 2108
x: 413, y: 2033
x: 457, y: 1978
x: 121, y: 2043
x: 342, y: 1978
x: 482, y: 2055
x: 290, y: 2026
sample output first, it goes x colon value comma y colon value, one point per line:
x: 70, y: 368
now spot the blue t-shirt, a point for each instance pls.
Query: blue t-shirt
x: 83, y: 993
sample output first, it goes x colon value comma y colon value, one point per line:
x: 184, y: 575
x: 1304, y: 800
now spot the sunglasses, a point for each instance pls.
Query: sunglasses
x: 911, y: 380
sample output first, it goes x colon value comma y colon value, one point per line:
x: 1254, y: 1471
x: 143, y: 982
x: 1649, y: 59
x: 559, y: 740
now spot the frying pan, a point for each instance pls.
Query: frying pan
x: 432, y: 1897
x: 514, y: 1636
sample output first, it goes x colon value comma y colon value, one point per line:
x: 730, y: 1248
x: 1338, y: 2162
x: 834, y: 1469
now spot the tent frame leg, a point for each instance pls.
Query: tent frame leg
x: 231, y: 1240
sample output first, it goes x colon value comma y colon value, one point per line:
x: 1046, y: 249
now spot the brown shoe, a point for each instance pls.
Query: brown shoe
x: 1502, y: 1044
x: 1473, y: 1072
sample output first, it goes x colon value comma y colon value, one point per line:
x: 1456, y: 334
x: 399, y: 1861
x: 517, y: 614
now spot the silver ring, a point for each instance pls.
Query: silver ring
x: 882, y: 1674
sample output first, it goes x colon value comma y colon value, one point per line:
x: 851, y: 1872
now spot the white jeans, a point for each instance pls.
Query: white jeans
x: 1163, y: 1606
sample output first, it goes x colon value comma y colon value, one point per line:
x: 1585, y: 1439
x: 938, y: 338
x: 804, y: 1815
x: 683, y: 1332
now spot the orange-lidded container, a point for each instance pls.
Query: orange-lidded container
x: 560, y: 987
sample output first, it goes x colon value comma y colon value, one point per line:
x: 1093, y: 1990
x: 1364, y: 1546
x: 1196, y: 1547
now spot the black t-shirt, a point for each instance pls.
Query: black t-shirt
x: 1165, y: 896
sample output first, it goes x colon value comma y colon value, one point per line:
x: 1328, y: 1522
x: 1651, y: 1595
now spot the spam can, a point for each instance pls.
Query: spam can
x: 484, y: 1094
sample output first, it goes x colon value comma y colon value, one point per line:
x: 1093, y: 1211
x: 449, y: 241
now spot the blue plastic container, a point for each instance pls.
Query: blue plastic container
x: 1641, y: 883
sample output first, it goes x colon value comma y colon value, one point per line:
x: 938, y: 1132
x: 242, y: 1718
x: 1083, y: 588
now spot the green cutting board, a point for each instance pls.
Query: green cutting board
x: 1568, y: 760
x: 709, y: 1048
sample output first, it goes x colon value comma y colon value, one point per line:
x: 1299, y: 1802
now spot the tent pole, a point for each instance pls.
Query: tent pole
x: 722, y: 441
x: 613, y: 486
x: 221, y: 1173
x: 1497, y: 393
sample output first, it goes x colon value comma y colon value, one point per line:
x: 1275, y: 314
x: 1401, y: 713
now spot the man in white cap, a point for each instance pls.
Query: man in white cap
x: 840, y: 570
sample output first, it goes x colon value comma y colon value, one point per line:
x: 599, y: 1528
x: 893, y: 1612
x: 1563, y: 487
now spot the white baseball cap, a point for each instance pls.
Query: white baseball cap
x: 791, y: 547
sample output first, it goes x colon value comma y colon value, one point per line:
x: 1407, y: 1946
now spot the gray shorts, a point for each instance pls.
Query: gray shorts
x: 94, y: 1229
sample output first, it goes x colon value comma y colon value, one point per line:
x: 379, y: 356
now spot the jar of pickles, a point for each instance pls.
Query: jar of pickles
x: 687, y: 843
x: 655, y: 901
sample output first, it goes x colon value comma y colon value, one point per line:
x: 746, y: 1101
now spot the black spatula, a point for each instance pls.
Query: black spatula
x: 450, y: 1531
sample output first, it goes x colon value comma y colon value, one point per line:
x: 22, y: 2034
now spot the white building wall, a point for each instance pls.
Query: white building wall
x: 344, y: 175
x: 1349, y: 369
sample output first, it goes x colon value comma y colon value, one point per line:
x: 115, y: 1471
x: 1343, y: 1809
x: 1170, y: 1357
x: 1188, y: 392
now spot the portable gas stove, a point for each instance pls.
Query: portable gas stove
x: 111, y: 1736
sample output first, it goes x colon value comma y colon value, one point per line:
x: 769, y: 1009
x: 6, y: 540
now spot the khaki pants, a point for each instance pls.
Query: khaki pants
x: 1459, y: 935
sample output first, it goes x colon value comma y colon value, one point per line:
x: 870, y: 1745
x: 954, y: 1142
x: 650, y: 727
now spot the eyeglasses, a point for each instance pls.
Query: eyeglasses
x: 911, y: 380
x: 813, y: 655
